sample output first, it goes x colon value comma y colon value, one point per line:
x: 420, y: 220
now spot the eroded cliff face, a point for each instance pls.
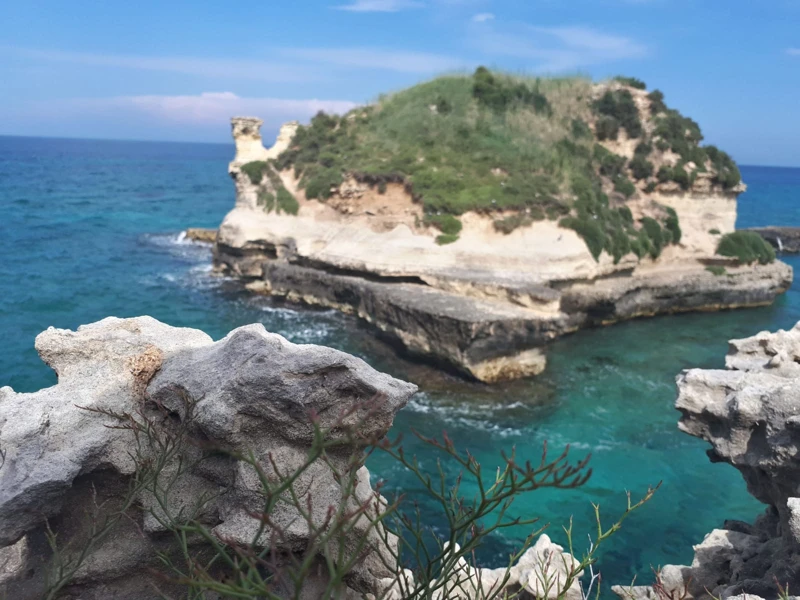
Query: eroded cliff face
x: 750, y: 415
x: 371, y: 254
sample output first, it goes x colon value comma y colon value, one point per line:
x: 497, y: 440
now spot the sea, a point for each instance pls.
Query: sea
x: 93, y: 228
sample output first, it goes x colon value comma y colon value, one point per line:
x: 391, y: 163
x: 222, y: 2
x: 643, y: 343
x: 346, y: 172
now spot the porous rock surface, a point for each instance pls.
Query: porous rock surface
x: 249, y: 392
x: 371, y: 254
x: 750, y: 414
x: 66, y: 464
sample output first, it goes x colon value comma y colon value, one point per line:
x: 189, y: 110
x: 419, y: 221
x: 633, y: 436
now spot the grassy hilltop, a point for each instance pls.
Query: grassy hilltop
x: 520, y: 149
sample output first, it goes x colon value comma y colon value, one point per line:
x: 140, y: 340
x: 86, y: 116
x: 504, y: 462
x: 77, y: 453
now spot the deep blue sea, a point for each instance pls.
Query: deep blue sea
x: 90, y: 229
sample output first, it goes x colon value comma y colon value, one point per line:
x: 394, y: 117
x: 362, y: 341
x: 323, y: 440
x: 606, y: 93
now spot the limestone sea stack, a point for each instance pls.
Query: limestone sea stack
x: 471, y: 233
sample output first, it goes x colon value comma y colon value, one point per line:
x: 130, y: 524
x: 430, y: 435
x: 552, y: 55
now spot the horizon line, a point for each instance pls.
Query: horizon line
x: 231, y: 142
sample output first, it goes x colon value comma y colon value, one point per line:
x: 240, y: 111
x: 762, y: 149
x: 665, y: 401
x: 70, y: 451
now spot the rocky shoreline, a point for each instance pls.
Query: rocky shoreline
x: 487, y: 305
x: 783, y: 239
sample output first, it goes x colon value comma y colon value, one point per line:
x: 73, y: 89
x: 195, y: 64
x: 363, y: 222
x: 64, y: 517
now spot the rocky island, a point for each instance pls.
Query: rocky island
x: 473, y: 219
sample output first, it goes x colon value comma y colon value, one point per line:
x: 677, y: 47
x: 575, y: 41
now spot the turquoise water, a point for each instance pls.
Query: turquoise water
x: 90, y: 229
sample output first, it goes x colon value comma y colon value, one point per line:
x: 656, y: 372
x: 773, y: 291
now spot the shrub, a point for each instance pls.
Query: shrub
x: 747, y: 246
x: 626, y: 214
x: 714, y: 231
x: 624, y: 186
x: 607, y: 128
x: 446, y: 238
x: 641, y: 167
x: 497, y: 94
x: 589, y: 230
x: 580, y: 130
x: 716, y: 270
x: 323, y: 183
x: 620, y: 106
x: 255, y: 170
x: 286, y: 202
x: 681, y: 177
x: 631, y: 82
x: 726, y: 172
x: 443, y: 106
x: 382, y: 187
x: 664, y: 174
x: 419, y: 561
x: 509, y: 224
x: 650, y: 187
x: 656, y: 102
x: 672, y: 225
x: 643, y: 149
x: 447, y: 224
x: 654, y: 234
x: 608, y: 163
x: 662, y: 145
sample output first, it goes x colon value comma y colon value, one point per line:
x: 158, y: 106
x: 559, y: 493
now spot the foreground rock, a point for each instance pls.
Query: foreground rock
x: 783, y: 239
x: 750, y: 414
x: 487, y: 304
x: 136, y: 398
x: 250, y: 392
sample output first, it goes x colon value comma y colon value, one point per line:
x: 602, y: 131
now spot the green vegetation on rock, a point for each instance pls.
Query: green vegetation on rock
x: 255, y: 170
x: 716, y: 270
x: 523, y: 147
x: 278, y: 198
x: 747, y: 246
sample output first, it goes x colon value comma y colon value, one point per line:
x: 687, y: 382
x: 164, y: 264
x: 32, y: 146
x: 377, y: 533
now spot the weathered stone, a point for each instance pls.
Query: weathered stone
x: 251, y: 392
x: 750, y: 414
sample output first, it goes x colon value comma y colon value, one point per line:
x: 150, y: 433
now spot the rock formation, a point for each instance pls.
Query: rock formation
x: 487, y: 304
x: 151, y: 427
x: 783, y: 239
x: 750, y: 414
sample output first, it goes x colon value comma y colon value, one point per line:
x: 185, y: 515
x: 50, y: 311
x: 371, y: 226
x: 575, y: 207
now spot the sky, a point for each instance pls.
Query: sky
x: 178, y: 70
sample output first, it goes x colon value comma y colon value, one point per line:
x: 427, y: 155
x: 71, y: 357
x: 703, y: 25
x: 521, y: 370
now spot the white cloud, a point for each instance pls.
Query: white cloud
x: 208, y: 67
x: 380, y: 5
x: 482, y: 17
x: 793, y: 51
x: 374, y: 58
x: 554, y: 49
x: 208, y: 108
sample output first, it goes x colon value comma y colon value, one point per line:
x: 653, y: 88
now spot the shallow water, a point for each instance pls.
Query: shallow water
x: 90, y: 229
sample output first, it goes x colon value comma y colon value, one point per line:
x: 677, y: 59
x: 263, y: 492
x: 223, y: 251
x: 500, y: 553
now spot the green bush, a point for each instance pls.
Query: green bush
x: 664, y: 174
x: 747, y: 246
x: 716, y: 270
x: 255, y: 170
x: 626, y: 214
x: 641, y: 167
x: 714, y: 231
x: 608, y: 163
x: 631, y: 82
x: 589, y: 230
x: 498, y: 94
x: 447, y: 224
x: 382, y: 187
x: 624, y: 186
x: 446, y: 238
x: 672, y: 225
x: 681, y: 177
x: 655, y: 234
x: 650, y: 187
x: 580, y: 130
x: 443, y: 106
x: 286, y: 202
x: 726, y: 172
x: 656, y: 102
x: 620, y: 105
x: 607, y: 128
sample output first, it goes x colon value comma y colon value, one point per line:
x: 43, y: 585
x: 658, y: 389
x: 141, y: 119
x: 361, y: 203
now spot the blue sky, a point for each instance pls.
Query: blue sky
x: 176, y: 70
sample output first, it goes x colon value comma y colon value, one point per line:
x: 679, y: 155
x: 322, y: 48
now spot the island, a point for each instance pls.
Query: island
x: 472, y: 219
